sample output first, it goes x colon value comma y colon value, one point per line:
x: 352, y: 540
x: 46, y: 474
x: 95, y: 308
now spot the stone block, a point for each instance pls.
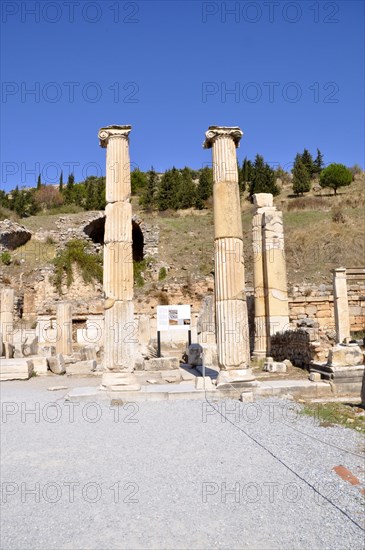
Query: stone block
x: 275, y: 366
x: 262, y: 200
x: 16, y: 369
x: 30, y: 348
x: 171, y: 375
x: 345, y: 355
x: 81, y: 368
x: 236, y: 378
x: 323, y: 313
x: 161, y: 363
x: 40, y: 365
x: 120, y: 381
x: 195, y: 352
x: 315, y: 377
x: 9, y: 350
x: 88, y: 353
x: 210, y: 355
x: 47, y: 351
x: 203, y: 383
x: 57, y: 364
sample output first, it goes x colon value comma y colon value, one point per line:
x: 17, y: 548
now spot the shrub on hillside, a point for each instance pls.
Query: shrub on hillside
x: 76, y: 253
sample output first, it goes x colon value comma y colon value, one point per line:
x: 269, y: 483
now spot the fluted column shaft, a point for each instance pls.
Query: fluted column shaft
x: 119, y: 341
x: 341, y: 304
x: 260, y: 341
x: 6, y: 315
x: 230, y: 299
x: 64, y: 328
x: 275, y: 279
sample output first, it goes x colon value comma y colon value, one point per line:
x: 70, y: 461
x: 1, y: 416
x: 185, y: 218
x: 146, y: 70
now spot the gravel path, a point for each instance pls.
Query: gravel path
x: 174, y: 475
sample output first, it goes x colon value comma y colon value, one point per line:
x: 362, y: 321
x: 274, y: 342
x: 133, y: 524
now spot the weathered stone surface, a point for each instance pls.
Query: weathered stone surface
x: 120, y: 381
x: 262, y: 200
x: 6, y: 314
x: 57, y: 364
x: 118, y: 225
x: 342, y: 355
x: 120, y: 337
x: 206, y: 321
x: 88, y: 353
x: 341, y: 305
x: 171, y: 376
x: 30, y: 347
x: 40, y: 365
x: 15, y: 369
x: 236, y: 378
x: 47, y: 351
x: 210, y: 355
x: 118, y: 271
x: 232, y: 334
x: 81, y: 368
x: 162, y: 363
x: 229, y: 269
x: 195, y: 355
x: 64, y: 328
x: 203, y: 383
x: 315, y: 377
x: 12, y: 235
x: 363, y: 390
x: 275, y: 366
x: 9, y: 350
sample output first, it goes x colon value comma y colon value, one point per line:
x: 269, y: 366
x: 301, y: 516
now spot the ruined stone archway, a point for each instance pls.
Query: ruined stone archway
x: 95, y: 230
x: 144, y: 236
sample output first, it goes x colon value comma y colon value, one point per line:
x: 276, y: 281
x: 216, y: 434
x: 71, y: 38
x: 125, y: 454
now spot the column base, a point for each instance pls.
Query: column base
x: 119, y: 381
x: 259, y: 354
x: 238, y: 378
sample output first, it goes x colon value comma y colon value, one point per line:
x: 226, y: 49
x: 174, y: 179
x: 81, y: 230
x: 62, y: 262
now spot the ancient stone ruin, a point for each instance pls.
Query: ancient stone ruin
x: 235, y: 332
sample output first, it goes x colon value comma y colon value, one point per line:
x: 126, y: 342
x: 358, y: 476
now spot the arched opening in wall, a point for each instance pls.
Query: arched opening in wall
x: 95, y: 230
x: 138, y: 242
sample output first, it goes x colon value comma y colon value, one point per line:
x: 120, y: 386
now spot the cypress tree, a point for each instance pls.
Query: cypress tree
x: 301, y: 177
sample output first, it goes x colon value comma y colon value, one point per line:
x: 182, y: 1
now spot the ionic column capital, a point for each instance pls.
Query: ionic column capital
x: 113, y: 131
x: 215, y: 132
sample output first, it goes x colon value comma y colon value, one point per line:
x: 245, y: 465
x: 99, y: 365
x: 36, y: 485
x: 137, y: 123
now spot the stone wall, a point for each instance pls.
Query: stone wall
x: 316, y: 302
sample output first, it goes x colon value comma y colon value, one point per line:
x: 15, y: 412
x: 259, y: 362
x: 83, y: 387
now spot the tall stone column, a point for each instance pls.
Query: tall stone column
x: 119, y: 340
x: 341, y: 304
x: 230, y: 299
x: 261, y: 201
x: 269, y: 273
x: 6, y: 315
x: 275, y: 278
x: 64, y: 328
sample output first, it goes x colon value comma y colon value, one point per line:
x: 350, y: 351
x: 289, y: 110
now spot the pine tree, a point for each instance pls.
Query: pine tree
x: 308, y: 162
x: 138, y: 181
x: 245, y: 174
x: 186, y: 195
x: 69, y: 191
x: 301, y: 177
x: 60, y: 188
x: 262, y: 178
x: 168, y: 189
x: 318, y: 163
x: 149, y: 195
x: 335, y: 176
x: 205, y: 186
x: 39, y: 182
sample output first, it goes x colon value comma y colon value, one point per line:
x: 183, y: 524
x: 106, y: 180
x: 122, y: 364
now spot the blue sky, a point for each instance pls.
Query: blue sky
x: 295, y: 72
